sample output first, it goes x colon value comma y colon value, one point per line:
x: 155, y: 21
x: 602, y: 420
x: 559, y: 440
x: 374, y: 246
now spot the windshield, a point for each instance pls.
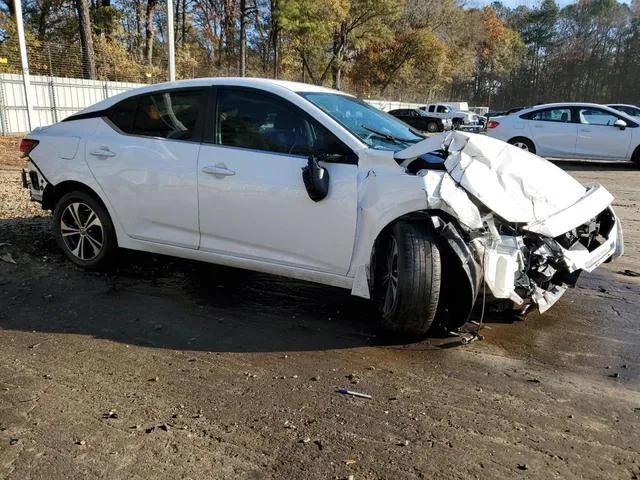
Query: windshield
x: 374, y: 127
x: 633, y: 111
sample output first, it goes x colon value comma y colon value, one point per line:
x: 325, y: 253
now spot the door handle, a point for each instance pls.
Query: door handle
x: 102, y: 152
x: 219, y: 171
x: 538, y: 126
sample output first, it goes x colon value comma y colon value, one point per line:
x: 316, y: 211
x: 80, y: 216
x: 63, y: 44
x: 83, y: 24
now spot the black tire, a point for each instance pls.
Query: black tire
x: 412, y: 251
x: 432, y: 127
x: 523, y: 143
x: 83, y: 230
x: 635, y: 158
x: 457, y: 123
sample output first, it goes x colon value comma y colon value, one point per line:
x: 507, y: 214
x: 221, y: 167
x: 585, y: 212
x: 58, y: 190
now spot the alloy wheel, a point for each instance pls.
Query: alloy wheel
x: 390, y: 277
x: 82, y: 231
x: 521, y: 145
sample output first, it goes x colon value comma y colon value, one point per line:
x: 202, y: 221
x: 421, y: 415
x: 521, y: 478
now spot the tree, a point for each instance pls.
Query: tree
x: 86, y: 39
x: 148, y: 32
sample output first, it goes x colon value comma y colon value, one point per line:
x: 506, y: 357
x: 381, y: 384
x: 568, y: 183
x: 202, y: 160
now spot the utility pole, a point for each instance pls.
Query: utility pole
x: 25, y: 63
x: 171, y: 40
x: 243, y: 38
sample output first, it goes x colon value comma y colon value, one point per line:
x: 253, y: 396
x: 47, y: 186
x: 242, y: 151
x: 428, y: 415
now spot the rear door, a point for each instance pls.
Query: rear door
x: 598, y: 137
x: 144, y: 156
x: 554, y: 131
x: 253, y: 202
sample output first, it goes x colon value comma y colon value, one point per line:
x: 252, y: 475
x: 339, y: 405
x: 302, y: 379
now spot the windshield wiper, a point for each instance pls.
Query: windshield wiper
x: 387, y: 136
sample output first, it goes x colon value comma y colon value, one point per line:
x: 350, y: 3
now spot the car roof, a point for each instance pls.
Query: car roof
x: 622, y: 105
x: 574, y: 104
x: 566, y: 104
x: 270, y: 85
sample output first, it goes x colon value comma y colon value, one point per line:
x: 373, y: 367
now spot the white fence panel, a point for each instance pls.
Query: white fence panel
x: 52, y: 99
x: 387, y: 105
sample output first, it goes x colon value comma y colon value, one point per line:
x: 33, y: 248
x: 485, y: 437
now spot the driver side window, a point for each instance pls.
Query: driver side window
x: 594, y: 116
x: 249, y: 119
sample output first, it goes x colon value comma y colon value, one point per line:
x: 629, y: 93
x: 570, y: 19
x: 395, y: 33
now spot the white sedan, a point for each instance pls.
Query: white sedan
x: 302, y: 181
x: 571, y: 130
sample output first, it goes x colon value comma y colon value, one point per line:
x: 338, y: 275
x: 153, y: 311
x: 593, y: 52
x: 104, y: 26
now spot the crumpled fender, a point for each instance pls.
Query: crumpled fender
x: 388, y: 193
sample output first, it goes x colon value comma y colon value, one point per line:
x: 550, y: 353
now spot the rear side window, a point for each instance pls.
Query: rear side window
x: 171, y: 115
x: 442, y: 109
x: 562, y: 115
x: 124, y: 113
x: 432, y: 108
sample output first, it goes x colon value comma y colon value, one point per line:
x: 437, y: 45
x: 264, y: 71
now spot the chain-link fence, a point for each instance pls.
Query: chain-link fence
x: 62, y: 81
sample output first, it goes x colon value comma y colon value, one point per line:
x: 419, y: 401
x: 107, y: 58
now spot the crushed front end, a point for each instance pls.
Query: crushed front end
x: 531, y: 268
x: 530, y: 227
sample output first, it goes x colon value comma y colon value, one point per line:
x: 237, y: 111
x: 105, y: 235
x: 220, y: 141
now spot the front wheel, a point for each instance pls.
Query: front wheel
x: 83, y: 230
x: 407, y: 273
x: 635, y: 158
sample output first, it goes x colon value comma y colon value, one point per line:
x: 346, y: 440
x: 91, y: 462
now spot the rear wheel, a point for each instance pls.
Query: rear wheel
x: 523, y: 143
x: 83, y: 229
x: 432, y: 127
x: 407, y: 274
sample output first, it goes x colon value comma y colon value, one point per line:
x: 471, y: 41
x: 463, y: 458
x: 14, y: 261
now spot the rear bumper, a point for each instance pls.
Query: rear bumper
x: 34, y: 181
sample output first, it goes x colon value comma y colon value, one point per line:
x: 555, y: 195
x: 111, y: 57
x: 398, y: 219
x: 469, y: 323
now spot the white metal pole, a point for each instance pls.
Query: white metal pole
x: 170, y: 39
x: 25, y: 63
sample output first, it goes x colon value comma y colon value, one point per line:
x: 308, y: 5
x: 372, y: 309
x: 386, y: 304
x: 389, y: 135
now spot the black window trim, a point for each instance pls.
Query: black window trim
x: 575, y: 115
x: 197, y: 133
x: 571, y: 108
x: 210, y: 125
x: 630, y: 123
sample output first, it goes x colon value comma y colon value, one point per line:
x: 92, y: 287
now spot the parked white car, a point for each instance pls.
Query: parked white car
x: 302, y: 181
x: 571, y: 130
x: 631, y: 110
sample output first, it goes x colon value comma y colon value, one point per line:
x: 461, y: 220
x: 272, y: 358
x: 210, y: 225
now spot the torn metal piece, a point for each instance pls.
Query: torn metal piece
x: 443, y: 194
x: 467, y: 339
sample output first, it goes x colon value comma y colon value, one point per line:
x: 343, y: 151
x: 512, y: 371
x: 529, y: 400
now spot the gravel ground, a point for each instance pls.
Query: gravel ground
x: 171, y: 369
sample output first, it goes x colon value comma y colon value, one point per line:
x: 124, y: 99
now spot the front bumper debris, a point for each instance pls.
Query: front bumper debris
x: 533, y: 268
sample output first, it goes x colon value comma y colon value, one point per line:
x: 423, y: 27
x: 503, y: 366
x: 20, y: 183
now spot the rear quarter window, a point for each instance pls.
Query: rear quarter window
x: 172, y: 115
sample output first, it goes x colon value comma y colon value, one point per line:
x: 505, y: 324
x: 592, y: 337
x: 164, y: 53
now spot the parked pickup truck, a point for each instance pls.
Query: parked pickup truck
x: 458, y: 117
x: 421, y: 120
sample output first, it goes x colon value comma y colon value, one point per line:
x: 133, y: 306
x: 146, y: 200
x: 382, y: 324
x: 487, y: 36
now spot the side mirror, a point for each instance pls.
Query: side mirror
x: 621, y: 124
x: 316, y: 179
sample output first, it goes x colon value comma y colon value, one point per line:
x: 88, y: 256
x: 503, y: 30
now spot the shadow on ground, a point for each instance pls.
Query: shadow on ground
x: 164, y: 302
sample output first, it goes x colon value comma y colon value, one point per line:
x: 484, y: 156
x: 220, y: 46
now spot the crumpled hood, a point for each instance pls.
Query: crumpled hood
x: 517, y: 185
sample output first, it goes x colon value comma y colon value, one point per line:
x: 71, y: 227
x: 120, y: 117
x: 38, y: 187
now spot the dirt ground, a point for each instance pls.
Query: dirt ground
x: 171, y: 369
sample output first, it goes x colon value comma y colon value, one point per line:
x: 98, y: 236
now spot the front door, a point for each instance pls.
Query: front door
x: 598, y: 137
x: 253, y: 202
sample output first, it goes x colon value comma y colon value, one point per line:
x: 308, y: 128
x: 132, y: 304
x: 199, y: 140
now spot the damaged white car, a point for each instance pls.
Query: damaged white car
x: 307, y: 182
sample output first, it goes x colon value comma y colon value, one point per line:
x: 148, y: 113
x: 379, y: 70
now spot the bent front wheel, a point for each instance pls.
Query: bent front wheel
x: 407, y: 279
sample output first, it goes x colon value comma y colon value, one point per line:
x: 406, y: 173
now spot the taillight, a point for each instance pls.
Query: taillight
x: 492, y: 124
x: 27, y: 145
